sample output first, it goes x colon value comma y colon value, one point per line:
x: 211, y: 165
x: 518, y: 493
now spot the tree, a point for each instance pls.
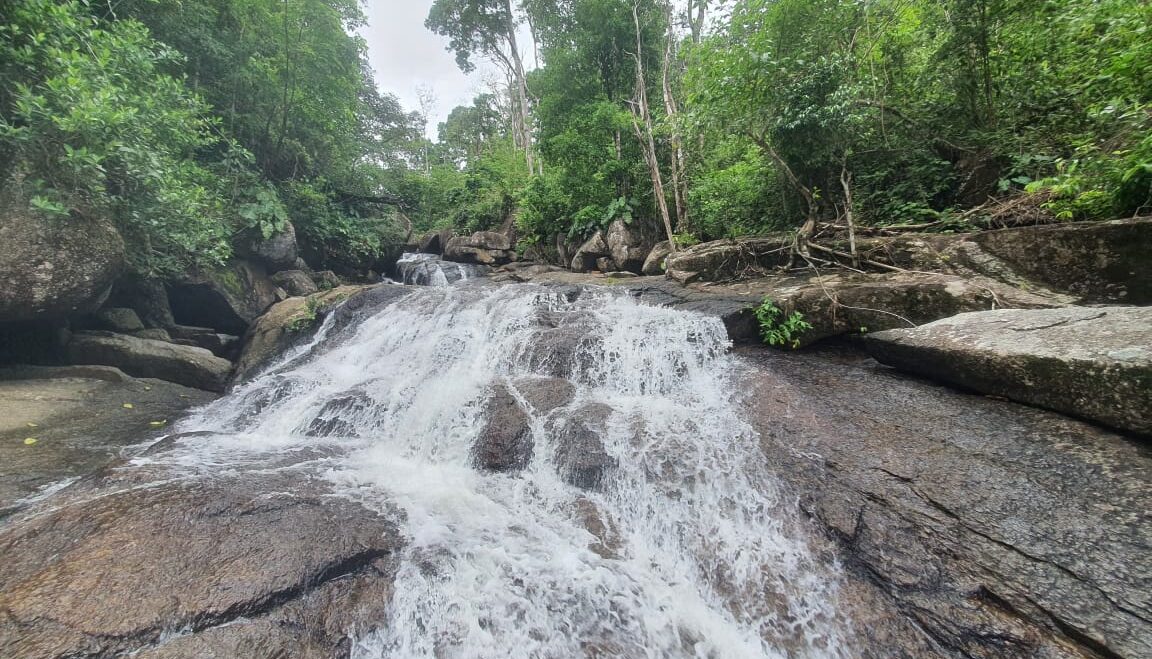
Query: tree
x: 487, y: 28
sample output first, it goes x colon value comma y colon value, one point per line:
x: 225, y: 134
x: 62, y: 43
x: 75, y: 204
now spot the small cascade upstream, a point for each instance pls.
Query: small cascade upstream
x: 430, y: 270
x: 638, y: 519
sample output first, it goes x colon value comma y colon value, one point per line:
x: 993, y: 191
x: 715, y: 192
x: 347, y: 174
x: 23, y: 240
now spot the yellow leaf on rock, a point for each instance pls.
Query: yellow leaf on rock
x: 29, y: 441
x: 32, y: 425
x: 158, y: 423
x: 128, y: 406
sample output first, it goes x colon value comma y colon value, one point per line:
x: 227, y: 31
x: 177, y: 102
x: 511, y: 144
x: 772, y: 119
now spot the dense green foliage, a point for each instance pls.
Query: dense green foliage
x: 903, y: 111
x: 201, y: 124
x: 198, y: 125
x: 933, y: 106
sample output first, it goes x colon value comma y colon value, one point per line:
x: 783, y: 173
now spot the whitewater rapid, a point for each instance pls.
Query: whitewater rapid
x: 685, y: 547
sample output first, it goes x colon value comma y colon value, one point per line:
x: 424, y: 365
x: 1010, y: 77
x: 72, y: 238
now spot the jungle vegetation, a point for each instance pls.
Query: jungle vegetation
x: 200, y: 122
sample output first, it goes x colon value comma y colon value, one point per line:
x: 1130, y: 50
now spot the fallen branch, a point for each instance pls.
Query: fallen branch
x: 836, y: 304
x: 845, y: 255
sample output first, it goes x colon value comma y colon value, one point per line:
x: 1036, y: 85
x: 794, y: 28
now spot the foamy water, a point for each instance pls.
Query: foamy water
x: 683, y: 546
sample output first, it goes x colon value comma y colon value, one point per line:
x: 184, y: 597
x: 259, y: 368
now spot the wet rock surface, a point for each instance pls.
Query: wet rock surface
x: 148, y: 358
x: 1089, y: 362
x: 580, y: 455
x: 264, y: 562
x: 544, y: 394
x: 505, y: 440
x: 295, y: 320
x: 1001, y: 530
x: 78, y: 418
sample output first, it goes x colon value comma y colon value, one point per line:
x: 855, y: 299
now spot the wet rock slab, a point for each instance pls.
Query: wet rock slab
x: 251, y: 566
x: 80, y: 422
x: 1001, y: 530
x: 190, y: 366
x: 1090, y: 362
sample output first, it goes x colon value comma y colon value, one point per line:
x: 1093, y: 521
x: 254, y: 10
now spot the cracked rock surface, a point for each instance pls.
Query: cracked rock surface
x: 251, y: 566
x: 1001, y: 530
x: 1094, y: 363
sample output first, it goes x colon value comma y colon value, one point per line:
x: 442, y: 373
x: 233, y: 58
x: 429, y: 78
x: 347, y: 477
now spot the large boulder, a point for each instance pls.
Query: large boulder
x: 627, y: 247
x: 286, y: 323
x: 53, y: 267
x: 1096, y: 261
x: 434, y: 242
x: 119, y: 319
x: 221, y: 345
x: 1089, y: 362
x: 851, y: 303
x: 587, y: 255
x: 835, y: 304
x: 278, y: 252
x: 147, y: 297
x: 729, y: 259
x: 326, y: 280
x: 226, y: 298
x: 295, y: 283
x: 654, y: 263
x: 482, y: 247
x: 147, y: 358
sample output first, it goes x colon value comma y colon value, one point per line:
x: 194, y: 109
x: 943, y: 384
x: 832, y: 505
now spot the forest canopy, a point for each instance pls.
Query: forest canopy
x: 766, y: 114
x: 197, y: 125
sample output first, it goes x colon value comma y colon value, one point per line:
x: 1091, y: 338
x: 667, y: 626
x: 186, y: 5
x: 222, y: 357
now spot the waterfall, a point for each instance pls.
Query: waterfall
x: 430, y: 270
x: 639, y: 518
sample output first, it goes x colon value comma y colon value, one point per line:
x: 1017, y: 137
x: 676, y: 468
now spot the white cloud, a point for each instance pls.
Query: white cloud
x: 406, y: 55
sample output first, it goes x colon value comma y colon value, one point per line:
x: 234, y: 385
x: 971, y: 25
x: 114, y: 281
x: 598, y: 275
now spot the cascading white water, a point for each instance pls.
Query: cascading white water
x: 682, y: 547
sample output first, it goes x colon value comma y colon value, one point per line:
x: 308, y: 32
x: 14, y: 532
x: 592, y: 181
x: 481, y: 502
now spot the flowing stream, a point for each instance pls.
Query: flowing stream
x: 675, y: 539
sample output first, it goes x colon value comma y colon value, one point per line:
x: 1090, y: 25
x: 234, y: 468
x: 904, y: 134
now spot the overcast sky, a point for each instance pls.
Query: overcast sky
x: 406, y: 55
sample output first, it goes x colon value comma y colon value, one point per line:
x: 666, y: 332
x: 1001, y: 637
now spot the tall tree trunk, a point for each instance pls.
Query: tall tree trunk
x: 518, y: 76
x: 849, y: 213
x: 642, y: 112
x: 696, y: 12
x: 672, y: 110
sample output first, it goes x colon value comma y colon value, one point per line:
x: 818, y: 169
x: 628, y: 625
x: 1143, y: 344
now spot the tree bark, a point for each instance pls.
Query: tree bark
x: 642, y: 112
x: 849, y: 214
x: 521, y: 91
x: 671, y: 108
